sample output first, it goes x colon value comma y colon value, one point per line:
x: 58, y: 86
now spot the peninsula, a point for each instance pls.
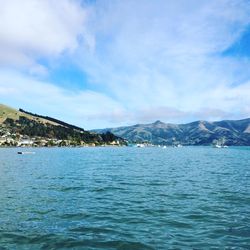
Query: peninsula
x: 21, y: 128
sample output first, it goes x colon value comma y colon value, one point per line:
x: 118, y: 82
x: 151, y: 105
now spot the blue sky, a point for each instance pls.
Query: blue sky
x: 109, y: 63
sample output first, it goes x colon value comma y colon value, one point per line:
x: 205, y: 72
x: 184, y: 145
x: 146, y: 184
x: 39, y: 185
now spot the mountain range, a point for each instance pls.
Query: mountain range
x: 228, y: 132
x: 19, y: 125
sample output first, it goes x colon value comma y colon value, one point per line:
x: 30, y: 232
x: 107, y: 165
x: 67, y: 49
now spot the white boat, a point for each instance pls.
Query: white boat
x: 220, y: 146
x: 25, y: 152
x: 220, y: 143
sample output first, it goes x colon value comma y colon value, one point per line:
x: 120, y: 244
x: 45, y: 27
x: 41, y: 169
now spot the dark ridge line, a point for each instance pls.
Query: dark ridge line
x: 53, y: 120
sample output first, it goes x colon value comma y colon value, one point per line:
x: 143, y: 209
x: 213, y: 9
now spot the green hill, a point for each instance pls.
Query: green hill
x: 19, y: 127
x: 8, y: 112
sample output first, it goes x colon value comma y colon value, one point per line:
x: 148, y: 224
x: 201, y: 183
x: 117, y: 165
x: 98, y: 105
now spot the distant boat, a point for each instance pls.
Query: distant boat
x: 220, y: 143
x: 164, y: 146
x: 140, y: 145
x: 220, y: 146
x: 25, y: 152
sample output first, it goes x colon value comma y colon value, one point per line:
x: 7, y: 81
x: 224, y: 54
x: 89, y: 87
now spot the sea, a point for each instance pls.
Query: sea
x: 125, y: 198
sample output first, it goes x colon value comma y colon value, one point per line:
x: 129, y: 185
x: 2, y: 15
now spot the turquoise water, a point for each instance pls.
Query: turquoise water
x: 125, y: 198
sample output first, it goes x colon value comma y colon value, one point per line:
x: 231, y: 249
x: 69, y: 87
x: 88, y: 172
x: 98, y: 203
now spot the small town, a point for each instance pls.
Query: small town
x: 8, y: 139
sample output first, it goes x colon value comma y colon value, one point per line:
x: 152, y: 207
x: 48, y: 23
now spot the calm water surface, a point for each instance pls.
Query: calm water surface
x: 125, y: 198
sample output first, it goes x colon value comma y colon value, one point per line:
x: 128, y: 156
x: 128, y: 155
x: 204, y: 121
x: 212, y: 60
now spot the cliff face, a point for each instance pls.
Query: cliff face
x: 18, y: 127
x: 196, y: 133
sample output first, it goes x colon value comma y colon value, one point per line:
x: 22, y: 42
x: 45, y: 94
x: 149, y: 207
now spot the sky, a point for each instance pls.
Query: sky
x: 109, y: 63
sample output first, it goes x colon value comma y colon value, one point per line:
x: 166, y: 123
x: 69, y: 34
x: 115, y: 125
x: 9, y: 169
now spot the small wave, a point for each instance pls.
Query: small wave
x: 53, y: 241
x: 118, y: 244
x: 178, y: 224
x: 68, y: 189
x: 76, y: 216
x: 106, y: 189
x: 94, y: 230
x: 43, y: 212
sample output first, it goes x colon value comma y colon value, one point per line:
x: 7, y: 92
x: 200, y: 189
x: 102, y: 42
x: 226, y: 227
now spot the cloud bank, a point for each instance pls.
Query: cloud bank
x: 142, y: 60
x: 31, y: 30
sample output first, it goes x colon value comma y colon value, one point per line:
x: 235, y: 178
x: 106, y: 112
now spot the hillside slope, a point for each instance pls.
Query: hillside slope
x: 18, y: 127
x: 196, y: 133
x: 8, y: 112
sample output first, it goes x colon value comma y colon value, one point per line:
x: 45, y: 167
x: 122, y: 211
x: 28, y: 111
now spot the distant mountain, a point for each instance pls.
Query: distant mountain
x: 195, y: 133
x: 19, y: 127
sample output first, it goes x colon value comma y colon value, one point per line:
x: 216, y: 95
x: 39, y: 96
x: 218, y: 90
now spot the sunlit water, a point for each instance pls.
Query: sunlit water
x: 125, y: 198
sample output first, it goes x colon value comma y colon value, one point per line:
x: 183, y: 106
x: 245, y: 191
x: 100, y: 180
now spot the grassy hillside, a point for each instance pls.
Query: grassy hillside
x: 17, y: 126
x: 8, y: 112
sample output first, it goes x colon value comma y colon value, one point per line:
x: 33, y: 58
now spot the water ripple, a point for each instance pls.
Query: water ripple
x: 125, y: 198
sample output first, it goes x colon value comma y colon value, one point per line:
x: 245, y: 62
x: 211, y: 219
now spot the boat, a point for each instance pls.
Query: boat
x: 220, y: 143
x: 25, y: 152
x: 220, y: 146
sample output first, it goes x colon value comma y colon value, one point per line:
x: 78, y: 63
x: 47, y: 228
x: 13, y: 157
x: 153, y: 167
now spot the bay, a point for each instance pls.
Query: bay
x: 125, y: 198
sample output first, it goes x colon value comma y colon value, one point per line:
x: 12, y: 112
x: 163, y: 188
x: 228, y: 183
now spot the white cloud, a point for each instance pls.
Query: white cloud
x: 153, y: 54
x: 146, y: 60
x: 35, y: 29
x: 47, y: 99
